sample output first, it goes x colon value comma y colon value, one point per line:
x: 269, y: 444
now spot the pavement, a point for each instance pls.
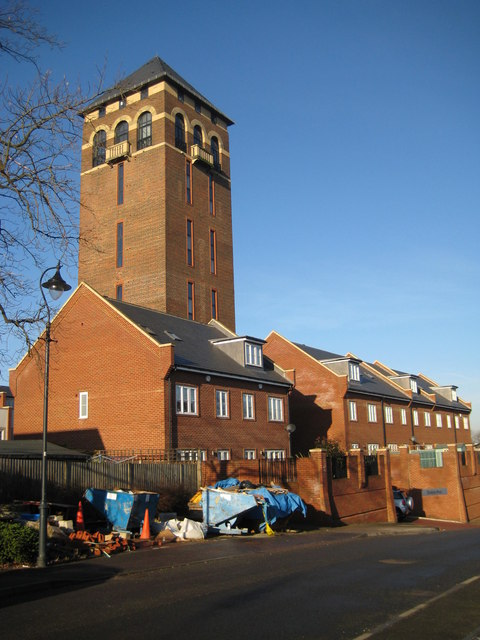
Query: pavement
x: 22, y: 581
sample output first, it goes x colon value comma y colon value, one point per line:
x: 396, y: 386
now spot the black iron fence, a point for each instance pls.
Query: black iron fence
x: 277, y: 471
x: 371, y: 465
x: 338, y: 465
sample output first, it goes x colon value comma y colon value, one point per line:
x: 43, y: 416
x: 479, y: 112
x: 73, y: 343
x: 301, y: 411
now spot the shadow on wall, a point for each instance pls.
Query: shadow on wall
x: 312, y: 422
x: 85, y: 440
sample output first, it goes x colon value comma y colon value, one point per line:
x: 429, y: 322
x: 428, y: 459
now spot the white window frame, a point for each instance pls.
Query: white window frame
x: 415, y: 417
x: 223, y: 454
x: 249, y: 454
x: 393, y: 447
x: 275, y: 454
x: 454, y: 395
x: 253, y: 354
x: 438, y: 419
x: 248, y: 406
x: 354, y: 371
x: 355, y: 445
x: 372, y: 448
x: 372, y: 412
x: 413, y: 385
x: 83, y: 405
x: 388, y: 414
x: 352, y: 410
x: 403, y: 416
x: 275, y: 409
x: 191, y: 455
x: 427, y: 419
x: 457, y: 422
x: 449, y: 421
x: 186, y: 395
x: 221, y: 403
x: 465, y: 422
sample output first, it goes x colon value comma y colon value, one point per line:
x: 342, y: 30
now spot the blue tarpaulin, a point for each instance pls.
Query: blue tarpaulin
x: 270, y: 504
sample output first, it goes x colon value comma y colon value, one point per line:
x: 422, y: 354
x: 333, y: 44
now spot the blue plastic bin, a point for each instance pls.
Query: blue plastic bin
x: 125, y: 510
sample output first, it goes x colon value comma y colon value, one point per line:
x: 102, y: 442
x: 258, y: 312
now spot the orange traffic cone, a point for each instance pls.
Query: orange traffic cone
x: 145, y: 535
x: 80, y: 520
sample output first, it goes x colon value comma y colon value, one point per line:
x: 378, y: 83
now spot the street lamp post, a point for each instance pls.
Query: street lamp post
x: 56, y: 286
x: 290, y: 428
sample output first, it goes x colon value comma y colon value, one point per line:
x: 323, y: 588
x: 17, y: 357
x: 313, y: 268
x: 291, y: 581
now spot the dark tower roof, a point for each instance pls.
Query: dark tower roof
x: 152, y: 71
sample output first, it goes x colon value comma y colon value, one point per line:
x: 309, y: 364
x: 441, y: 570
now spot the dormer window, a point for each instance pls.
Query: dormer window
x: 253, y: 354
x: 454, y: 395
x: 413, y: 385
x: 353, y: 371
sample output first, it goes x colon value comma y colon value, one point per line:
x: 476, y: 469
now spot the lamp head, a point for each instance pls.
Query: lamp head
x: 56, y: 285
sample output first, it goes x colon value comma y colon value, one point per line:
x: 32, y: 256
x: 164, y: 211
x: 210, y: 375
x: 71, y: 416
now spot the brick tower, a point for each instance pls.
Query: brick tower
x: 155, y: 216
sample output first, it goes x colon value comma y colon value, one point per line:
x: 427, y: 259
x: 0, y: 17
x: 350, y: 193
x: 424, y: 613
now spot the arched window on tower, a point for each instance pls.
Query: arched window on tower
x: 180, y: 132
x: 144, y: 130
x: 121, y: 132
x: 215, y: 152
x: 99, y: 148
x: 197, y: 135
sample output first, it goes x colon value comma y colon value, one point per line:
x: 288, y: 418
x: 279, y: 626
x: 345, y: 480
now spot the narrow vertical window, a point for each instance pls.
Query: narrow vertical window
x: 99, y: 148
x: 188, y: 181
x: 83, y: 405
x: 197, y: 135
x: 211, y: 194
x: 144, y: 130
x: 403, y: 414
x: 120, y: 169
x: 121, y: 132
x: 248, y: 410
x: 214, y: 305
x: 221, y: 398
x: 213, y: 252
x: 180, y: 132
x: 119, y: 244
x: 352, y: 406
x: 415, y: 418
x: 191, y: 301
x: 119, y: 292
x: 215, y: 153
x: 190, y: 243
x: 372, y: 412
x: 388, y: 415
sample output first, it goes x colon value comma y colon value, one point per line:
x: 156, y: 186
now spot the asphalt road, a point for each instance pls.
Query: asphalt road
x: 309, y: 585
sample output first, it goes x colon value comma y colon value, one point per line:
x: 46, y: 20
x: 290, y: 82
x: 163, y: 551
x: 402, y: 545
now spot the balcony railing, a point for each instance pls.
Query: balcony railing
x: 119, y: 150
x: 199, y: 153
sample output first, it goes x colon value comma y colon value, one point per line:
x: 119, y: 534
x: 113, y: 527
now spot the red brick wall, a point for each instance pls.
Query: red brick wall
x: 130, y: 403
x: 349, y: 500
x: 99, y: 352
x: 207, y: 432
x: 317, y: 406
x: 154, y: 212
x: 425, y: 485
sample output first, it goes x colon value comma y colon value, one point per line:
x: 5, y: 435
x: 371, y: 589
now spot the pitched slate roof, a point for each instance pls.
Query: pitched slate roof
x: 318, y: 354
x: 154, y: 70
x: 194, y: 347
x: 369, y: 384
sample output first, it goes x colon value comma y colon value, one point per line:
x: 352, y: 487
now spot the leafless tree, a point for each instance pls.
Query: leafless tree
x: 39, y: 141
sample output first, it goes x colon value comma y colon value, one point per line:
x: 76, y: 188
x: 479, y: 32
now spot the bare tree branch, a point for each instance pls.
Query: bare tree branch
x: 40, y: 134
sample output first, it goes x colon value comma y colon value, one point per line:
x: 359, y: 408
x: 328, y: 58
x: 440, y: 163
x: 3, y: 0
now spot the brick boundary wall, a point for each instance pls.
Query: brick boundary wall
x: 348, y: 500
x: 449, y: 492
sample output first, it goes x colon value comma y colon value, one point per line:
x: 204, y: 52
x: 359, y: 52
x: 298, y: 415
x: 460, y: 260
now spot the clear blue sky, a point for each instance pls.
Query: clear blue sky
x: 355, y: 160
